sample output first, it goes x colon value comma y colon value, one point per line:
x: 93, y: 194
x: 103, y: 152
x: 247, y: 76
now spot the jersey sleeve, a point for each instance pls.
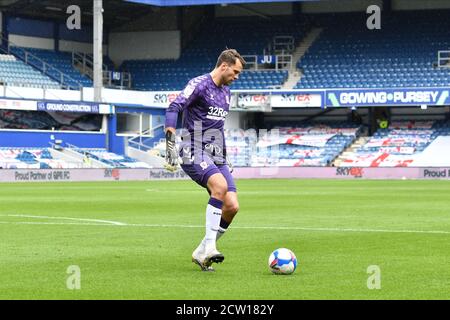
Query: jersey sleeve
x: 190, y: 93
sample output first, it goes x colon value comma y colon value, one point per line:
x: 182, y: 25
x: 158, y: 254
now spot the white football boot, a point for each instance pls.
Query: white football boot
x: 198, y: 257
x: 211, y: 255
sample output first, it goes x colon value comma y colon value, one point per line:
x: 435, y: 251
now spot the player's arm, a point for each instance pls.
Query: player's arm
x: 186, y: 97
x: 170, y: 125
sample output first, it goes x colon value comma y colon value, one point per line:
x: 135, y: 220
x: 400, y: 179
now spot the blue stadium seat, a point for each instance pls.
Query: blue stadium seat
x: 200, y: 55
x: 62, y: 61
x: 401, y: 54
x: 15, y: 72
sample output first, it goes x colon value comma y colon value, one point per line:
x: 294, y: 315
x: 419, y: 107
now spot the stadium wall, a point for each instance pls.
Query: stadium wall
x: 282, y: 9
x: 50, y: 35
x: 332, y: 6
x: 144, y: 45
x: 42, y: 139
x: 158, y: 19
x: 50, y: 175
x: 51, y: 44
x: 431, y: 113
x: 420, y: 5
x: 79, y: 40
x: 114, y: 143
x: 190, y: 21
x: 70, y: 46
x: 32, y: 42
x: 30, y: 27
x: 30, y: 33
x: 191, y: 16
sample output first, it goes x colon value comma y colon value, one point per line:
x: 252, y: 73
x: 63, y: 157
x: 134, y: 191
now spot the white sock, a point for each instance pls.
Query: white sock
x: 213, y: 215
x: 220, y: 233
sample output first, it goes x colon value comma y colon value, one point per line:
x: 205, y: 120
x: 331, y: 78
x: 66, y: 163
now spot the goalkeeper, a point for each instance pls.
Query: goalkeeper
x: 204, y: 104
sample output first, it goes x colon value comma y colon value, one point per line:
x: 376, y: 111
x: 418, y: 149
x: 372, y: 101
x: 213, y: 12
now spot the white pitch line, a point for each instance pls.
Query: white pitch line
x: 296, y: 228
x: 121, y: 224
x: 56, y: 223
x: 350, y: 230
x: 64, y: 218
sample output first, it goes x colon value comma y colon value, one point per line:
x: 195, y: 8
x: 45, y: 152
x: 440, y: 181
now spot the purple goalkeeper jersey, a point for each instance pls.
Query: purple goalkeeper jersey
x: 204, y: 106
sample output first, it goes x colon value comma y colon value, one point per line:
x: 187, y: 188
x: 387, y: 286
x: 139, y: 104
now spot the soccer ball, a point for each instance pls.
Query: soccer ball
x: 282, y: 261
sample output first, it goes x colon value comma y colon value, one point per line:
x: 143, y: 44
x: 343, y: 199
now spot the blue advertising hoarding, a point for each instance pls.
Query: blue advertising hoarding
x: 387, y: 97
x: 83, y: 107
x: 68, y: 107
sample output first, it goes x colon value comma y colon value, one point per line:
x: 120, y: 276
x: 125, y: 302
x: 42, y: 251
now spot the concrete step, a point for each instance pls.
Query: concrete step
x: 295, y: 74
x: 348, y: 152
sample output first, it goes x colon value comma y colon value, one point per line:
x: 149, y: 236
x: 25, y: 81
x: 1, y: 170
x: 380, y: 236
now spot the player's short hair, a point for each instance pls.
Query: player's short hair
x: 230, y: 56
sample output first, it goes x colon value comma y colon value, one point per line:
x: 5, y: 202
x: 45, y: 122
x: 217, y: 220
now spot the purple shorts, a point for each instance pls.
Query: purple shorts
x: 200, y: 173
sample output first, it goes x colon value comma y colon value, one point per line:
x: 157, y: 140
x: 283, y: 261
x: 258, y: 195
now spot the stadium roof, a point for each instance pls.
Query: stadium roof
x: 116, y: 12
x: 167, y: 3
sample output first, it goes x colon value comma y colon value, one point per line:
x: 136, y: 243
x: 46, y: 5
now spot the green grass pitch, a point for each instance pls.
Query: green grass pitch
x: 133, y: 240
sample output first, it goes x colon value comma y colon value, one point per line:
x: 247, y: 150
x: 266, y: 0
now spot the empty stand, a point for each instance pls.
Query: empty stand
x: 308, y: 145
x: 111, y: 159
x: 47, y: 158
x: 403, y: 144
x: 61, y: 61
x: 241, y: 144
x: 14, y: 72
x: 401, y: 54
x: 201, y: 54
x: 34, y: 158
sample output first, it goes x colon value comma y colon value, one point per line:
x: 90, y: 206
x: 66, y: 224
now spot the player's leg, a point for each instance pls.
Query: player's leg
x: 217, y: 186
x: 209, y: 176
x: 230, y: 204
x: 229, y: 210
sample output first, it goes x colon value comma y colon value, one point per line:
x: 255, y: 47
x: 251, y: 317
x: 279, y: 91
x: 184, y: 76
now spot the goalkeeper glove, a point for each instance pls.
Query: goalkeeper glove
x: 230, y: 165
x: 171, y: 151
